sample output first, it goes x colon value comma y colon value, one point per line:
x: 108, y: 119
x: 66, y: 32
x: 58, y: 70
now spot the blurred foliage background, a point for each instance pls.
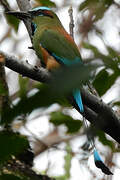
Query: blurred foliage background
x: 35, y: 124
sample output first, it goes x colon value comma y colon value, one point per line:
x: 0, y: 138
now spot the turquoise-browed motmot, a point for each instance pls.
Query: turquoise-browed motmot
x: 55, y: 47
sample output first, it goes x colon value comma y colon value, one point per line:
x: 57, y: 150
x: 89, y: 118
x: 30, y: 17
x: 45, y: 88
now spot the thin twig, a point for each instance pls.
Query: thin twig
x: 71, y: 24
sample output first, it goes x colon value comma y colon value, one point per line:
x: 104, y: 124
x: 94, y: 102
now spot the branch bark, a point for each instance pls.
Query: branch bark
x: 4, y: 95
x: 96, y: 111
x: 24, y: 170
x: 24, y: 5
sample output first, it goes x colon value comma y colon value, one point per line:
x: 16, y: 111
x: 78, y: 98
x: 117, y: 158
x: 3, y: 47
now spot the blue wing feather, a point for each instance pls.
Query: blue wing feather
x: 66, y: 61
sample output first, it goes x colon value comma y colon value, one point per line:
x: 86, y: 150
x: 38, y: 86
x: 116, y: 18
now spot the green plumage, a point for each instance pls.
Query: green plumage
x: 51, y: 35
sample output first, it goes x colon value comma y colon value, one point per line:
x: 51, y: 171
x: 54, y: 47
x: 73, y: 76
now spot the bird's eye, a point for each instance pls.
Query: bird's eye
x: 33, y: 27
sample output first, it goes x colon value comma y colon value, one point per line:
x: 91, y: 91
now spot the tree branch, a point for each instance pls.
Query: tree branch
x: 24, y: 5
x: 96, y: 111
x: 105, y: 119
x: 26, y: 69
x: 25, y: 170
x: 4, y: 94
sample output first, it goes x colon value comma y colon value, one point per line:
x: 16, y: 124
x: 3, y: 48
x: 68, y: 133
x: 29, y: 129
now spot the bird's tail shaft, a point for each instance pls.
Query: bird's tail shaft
x: 97, y: 159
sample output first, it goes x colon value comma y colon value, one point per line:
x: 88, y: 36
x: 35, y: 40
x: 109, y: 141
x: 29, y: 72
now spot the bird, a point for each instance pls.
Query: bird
x: 56, y: 48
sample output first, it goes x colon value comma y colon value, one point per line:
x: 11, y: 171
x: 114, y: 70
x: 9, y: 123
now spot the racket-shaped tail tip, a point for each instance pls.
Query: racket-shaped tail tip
x: 100, y: 164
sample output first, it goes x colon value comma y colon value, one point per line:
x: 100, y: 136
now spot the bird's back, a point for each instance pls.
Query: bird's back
x: 56, y: 42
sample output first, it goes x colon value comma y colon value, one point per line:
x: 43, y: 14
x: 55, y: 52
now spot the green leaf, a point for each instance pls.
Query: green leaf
x: 3, y: 90
x: 104, y: 140
x: 104, y: 81
x: 13, y: 21
x: 11, y: 144
x: 68, y: 159
x: 43, y: 98
x: 98, y: 7
x: 23, y: 84
x: 117, y: 103
x: 112, y: 52
x: 112, y: 60
x: 101, y: 81
x: 46, y: 3
x: 58, y: 118
x: 92, y: 48
x: 67, y: 165
x: 87, y: 4
x: 11, y: 177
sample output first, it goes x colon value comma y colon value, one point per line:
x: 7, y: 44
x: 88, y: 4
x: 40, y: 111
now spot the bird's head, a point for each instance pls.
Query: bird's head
x: 33, y: 13
x: 38, y: 15
x: 41, y: 12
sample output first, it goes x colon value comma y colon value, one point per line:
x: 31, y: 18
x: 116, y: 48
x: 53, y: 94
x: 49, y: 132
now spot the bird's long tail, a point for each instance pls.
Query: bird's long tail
x: 97, y: 159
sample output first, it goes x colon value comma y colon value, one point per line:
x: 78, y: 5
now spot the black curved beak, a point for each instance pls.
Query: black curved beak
x: 20, y: 14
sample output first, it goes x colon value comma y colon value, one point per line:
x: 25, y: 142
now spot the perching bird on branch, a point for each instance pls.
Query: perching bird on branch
x: 55, y: 47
